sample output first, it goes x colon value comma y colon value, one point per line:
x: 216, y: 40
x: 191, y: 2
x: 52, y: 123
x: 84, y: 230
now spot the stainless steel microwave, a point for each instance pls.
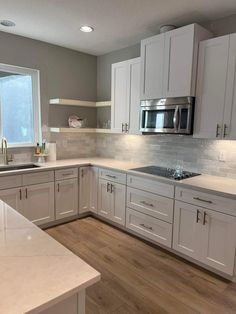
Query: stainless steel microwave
x: 170, y: 115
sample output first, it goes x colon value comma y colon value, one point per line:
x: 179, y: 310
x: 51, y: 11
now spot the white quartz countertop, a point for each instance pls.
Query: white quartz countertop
x: 213, y: 184
x: 35, y: 270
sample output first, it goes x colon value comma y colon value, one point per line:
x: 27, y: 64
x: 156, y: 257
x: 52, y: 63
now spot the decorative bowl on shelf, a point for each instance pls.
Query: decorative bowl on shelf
x: 75, y: 122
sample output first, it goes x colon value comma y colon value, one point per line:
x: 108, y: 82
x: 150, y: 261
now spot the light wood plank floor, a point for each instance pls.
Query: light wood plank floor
x: 138, y: 278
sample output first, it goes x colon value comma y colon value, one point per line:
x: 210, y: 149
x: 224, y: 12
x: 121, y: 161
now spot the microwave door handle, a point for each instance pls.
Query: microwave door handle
x: 176, y: 118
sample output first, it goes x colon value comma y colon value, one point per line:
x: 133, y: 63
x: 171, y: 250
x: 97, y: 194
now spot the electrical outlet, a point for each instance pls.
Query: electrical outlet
x: 222, y: 156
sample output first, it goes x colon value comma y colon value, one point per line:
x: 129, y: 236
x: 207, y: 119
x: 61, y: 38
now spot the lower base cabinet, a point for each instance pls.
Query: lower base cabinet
x: 205, y: 235
x: 35, y: 202
x: 111, y: 201
x: 66, y: 197
x: 149, y: 227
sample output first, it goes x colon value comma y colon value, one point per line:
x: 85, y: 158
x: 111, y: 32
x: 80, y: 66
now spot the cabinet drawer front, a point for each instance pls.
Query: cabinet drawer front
x: 206, y: 200
x: 68, y: 173
x: 151, y: 204
x: 152, y: 186
x: 149, y: 227
x: 38, y: 177
x: 10, y: 182
x: 113, y: 176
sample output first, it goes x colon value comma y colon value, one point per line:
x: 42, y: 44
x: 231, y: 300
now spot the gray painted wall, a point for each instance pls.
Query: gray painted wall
x: 64, y: 73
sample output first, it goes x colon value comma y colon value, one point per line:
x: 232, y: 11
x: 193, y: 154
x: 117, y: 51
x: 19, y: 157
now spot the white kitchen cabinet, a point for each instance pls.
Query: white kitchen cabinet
x: 38, y: 203
x: 211, y: 87
x: 125, y: 96
x: 111, y: 201
x: 169, y: 62
x: 93, y: 189
x: 219, y: 242
x: 187, y: 235
x: 229, y: 128
x: 84, y: 189
x: 35, y: 202
x: 152, y: 67
x: 13, y: 197
x: 215, y: 110
x: 205, y: 235
x: 88, y: 189
x: 66, y: 196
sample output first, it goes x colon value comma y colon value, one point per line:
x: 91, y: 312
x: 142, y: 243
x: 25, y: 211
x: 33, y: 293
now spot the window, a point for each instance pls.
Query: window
x: 19, y: 106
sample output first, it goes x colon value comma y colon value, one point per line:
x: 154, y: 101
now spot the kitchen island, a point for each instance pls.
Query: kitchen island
x: 38, y: 274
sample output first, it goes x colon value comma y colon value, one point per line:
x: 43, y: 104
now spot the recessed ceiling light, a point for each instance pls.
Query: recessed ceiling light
x: 7, y: 23
x: 86, y: 29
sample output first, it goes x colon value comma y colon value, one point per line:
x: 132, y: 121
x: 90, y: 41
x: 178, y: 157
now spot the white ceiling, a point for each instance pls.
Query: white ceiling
x: 117, y: 23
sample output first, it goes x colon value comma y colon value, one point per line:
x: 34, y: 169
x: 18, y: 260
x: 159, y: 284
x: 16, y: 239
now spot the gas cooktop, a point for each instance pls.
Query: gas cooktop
x: 167, y: 172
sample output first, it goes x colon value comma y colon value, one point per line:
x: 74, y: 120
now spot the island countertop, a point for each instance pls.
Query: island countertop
x: 36, y: 271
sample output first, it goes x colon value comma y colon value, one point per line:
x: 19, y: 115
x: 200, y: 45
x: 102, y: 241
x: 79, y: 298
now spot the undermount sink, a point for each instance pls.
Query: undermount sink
x: 18, y: 167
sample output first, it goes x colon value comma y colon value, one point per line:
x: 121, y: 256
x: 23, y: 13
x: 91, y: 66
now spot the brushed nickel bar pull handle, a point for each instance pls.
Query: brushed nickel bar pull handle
x: 126, y: 127
x: 108, y: 187
x: 82, y: 173
x: 110, y: 176
x: 202, y: 200
x: 112, y: 188
x: 58, y: 187
x: 225, y: 133
x: 218, y: 130
x: 204, y: 218
x: 26, y: 193
x: 20, y: 194
x: 146, y: 203
x: 198, y: 219
x: 146, y: 227
x: 122, y: 128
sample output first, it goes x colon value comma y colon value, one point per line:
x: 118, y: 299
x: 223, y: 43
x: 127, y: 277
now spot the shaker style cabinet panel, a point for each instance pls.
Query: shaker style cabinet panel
x: 93, y: 189
x: 187, y: 230
x: 125, y: 96
x: 66, y: 196
x: 205, y: 235
x: 119, y: 97
x: 211, y: 87
x: 84, y: 189
x: 13, y: 198
x: 169, y: 62
x: 152, y: 67
x: 229, y: 127
x: 38, y: 203
x: 111, y: 201
x: 219, y: 242
x: 134, y: 96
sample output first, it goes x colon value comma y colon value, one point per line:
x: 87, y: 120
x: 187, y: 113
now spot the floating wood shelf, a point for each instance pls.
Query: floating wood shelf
x: 79, y: 130
x: 79, y: 103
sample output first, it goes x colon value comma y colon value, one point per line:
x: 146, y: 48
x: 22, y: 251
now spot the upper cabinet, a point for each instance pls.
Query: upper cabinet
x: 169, y: 62
x: 215, y: 110
x: 125, y: 96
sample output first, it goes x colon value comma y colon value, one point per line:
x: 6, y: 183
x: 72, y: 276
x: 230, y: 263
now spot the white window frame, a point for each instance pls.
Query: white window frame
x: 35, y: 74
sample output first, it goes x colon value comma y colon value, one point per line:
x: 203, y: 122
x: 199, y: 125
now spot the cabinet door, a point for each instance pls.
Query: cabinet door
x: 104, y: 199
x: 84, y: 189
x: 179, y: 53
x: 118, y: 193
x: 219, y: 241
x: 152, y: 67
x: 211, y: 87
x: 229, y: 131
x: 13, y: 198
x: 38, y: 203
x: 187, y: 236
x: 94, y: 189
x: 66, y: 192
x: 134, y: 96
x: 119, y: 96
